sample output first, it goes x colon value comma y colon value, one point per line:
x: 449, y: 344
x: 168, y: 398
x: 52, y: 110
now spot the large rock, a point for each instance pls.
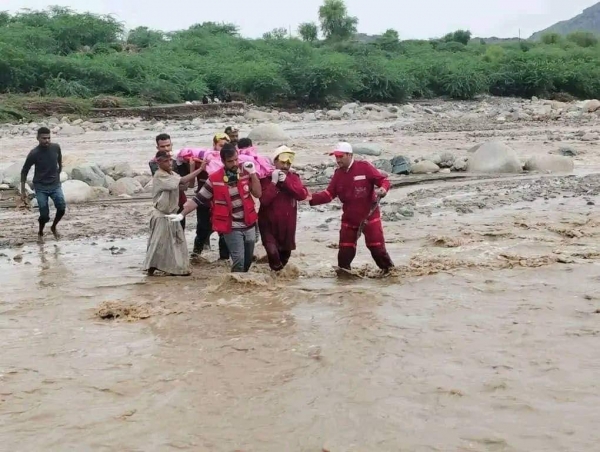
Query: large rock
x: 424, y: 167
x: 268, y: 132
x: 143, y: 179
x: 592, y: 105
x: 367, y: 149
x: 12, y: 174
x: 446, y: 160
x: 120, y: 170
x: 334, y: 114
x: 383, y: 165
x: 494, y: 157
x: 349, y: 109
x: 125, y: 186
x: 400, y: 165
x: 76, y: 191
x: 550, y: 163
x: 90, y: 174
x: 68, y: 130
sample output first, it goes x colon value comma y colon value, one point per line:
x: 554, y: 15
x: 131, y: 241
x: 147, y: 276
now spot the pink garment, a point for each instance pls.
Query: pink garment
x: 263, y: 165
x: 185, y: 154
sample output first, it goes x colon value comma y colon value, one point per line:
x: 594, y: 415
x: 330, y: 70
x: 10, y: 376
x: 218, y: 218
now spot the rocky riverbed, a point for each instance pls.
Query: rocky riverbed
x: 482, y: 339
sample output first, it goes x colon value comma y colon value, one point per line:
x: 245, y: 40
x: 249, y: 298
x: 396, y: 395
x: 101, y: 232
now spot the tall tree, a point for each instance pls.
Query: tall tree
x: 308, y: 31
x: 336, y: 24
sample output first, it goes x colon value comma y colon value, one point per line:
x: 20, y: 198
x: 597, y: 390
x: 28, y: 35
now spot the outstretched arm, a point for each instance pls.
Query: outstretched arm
x: 325, y: 196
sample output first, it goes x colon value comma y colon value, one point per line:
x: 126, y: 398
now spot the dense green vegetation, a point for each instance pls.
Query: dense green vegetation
x: 60, y: 53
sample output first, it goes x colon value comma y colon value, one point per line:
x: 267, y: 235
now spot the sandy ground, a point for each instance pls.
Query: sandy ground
x: 483, y: 339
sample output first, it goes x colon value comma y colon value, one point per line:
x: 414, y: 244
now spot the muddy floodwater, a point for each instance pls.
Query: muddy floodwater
x: 484, y: 338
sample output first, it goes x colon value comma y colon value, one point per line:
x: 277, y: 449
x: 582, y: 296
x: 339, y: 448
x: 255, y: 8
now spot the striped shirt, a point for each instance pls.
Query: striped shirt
x: 206, y: 193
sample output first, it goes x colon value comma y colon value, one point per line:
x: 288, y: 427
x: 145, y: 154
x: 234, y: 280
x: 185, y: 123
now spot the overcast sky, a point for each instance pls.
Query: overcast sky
x: 419, y: 19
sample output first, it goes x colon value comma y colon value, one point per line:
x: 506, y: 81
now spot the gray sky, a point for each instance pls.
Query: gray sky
x: 420, y: 19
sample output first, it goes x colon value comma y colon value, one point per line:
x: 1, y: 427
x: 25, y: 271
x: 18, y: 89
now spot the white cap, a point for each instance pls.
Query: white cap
x: 282, y: 150
x: 342, y: 148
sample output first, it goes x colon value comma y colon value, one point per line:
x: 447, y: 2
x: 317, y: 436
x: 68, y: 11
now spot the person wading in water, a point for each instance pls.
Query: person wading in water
x: 47, y: 159
x: 229, y: 192
x: 358, y: 185
x: 278, y: 212
x: 167, y: 248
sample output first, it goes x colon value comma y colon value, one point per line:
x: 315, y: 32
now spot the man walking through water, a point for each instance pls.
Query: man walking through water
x: 164, y: 143
x: 278, y: 212
x: 228, y: 191
x: 47, y: 159
x: 358, y: 185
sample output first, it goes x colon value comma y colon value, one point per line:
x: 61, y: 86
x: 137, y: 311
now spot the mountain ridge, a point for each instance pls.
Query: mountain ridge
x: 588, y: 20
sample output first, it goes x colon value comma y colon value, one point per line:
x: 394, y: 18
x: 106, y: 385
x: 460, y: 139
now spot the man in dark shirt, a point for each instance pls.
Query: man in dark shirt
x: 47, y: 159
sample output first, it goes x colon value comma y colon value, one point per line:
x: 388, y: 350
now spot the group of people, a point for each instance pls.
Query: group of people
x: 236, y: 199
x: 238, y: 194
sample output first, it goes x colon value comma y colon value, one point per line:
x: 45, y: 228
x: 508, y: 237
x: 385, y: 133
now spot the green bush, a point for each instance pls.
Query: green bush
x: 61, y: 53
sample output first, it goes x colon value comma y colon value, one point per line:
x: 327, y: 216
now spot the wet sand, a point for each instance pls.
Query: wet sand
x: 483, y: 339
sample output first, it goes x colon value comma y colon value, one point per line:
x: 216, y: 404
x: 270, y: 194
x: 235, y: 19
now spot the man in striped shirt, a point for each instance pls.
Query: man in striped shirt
x: 229, y: 193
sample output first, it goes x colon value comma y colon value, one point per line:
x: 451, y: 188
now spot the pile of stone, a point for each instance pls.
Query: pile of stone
x: 492, y: 157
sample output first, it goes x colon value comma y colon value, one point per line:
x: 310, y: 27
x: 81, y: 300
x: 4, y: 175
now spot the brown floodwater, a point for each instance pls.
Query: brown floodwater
x: 468, y: 359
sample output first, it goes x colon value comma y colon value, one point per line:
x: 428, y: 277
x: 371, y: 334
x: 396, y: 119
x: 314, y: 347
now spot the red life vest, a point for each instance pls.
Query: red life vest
x: 222, y: 209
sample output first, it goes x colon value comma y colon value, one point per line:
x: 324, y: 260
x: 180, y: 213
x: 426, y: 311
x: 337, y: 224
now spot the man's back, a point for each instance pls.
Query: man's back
x: 47, y: 161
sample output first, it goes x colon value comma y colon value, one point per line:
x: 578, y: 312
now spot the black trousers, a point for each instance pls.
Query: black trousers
x: 203, y: 232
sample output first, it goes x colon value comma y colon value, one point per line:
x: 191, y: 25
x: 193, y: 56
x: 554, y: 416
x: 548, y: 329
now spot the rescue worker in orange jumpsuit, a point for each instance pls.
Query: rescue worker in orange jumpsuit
x: 278, y: 211
x: 228, y: 193
x: 357, y: 184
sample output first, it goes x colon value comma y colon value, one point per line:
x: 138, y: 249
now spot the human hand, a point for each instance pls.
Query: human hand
x: 175, y: 217
x: 282, y: 176
x: 275, y: 176
x: 381, y: 192
x: 249, y: 167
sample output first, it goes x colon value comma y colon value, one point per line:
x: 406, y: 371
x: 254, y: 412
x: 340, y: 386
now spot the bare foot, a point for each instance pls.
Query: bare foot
x: 55, y: 233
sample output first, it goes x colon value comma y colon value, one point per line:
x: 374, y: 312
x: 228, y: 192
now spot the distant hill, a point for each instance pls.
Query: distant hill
x: 588, y: 20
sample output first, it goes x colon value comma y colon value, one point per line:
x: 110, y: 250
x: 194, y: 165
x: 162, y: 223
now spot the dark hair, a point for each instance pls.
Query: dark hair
x: 43, y: 131
x: 244, y: 143
x: 162, y: 137
x: 227, y: 151
x: 228, y: 130
x: 160, y: 155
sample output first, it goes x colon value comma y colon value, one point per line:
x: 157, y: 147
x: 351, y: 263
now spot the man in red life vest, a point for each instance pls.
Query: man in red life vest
x: 233, y: 214
x: 357, y: 184
x: 278, y: 211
